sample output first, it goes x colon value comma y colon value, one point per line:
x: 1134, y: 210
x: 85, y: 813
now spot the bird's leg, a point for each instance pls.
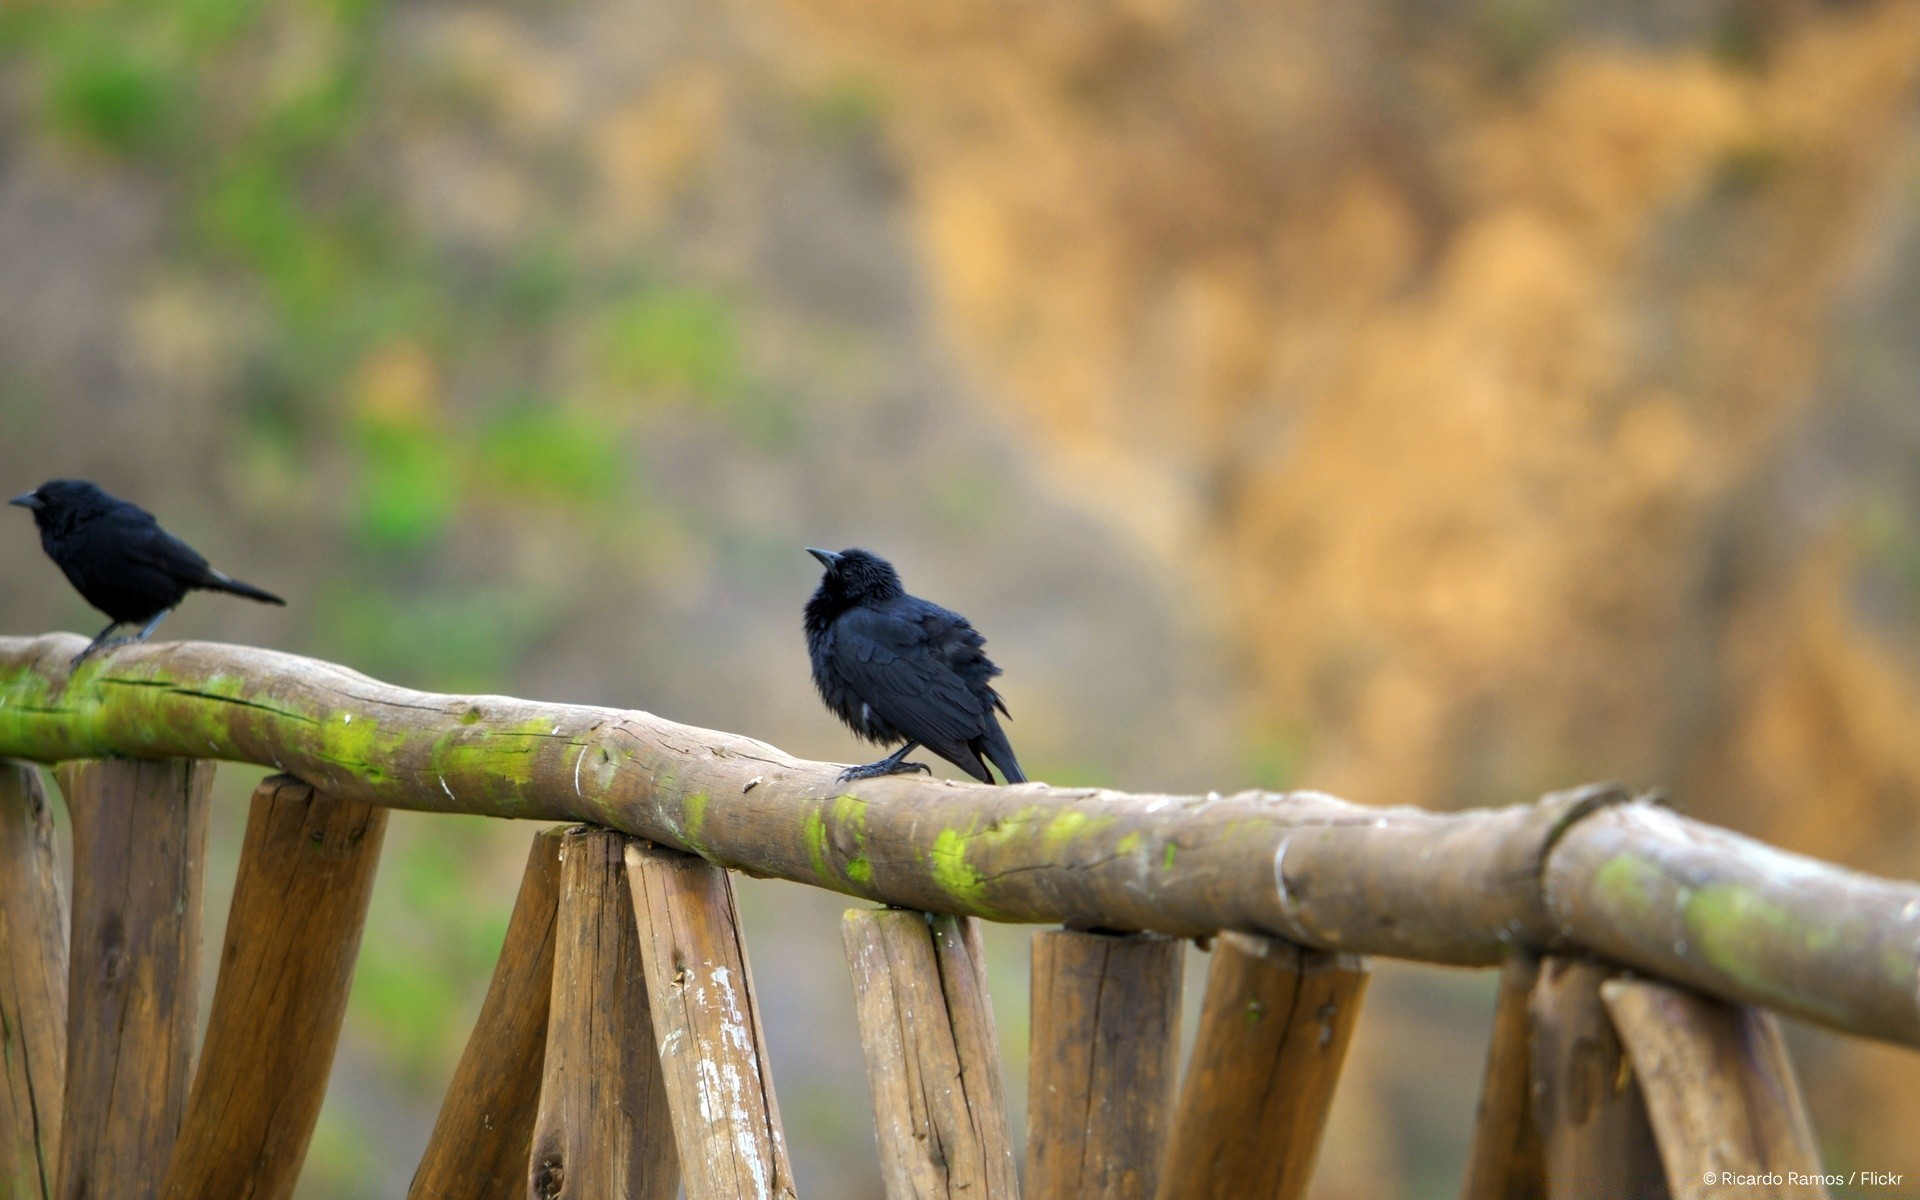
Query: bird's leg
x: 890, y: 765
x: 151, y: 625
x: 101, y: 640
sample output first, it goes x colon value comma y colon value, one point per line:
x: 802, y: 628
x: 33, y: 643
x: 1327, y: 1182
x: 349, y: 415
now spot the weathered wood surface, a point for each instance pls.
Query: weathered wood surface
x: 1104, y: 1058
x: 33, y: 987
x: 1592, y: 1117
x: 1273, y: 1033
x: 933, y: 1061
x: 603, y: 1130
x: 1580, y: 870
x: 1720, y: 1092
x: 139, y: 857
x: 1507, y: 1161
x: 706, y: 1023
x: 1687, y: 902
x: 293, y: 934
x: 480, y: 1141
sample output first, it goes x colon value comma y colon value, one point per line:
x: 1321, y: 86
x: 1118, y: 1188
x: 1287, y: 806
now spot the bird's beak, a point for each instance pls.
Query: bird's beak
x: 827, y: 557
x: 26, y: 500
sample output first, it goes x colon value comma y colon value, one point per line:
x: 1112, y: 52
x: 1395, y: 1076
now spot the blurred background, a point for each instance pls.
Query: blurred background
x: 1431, y: 402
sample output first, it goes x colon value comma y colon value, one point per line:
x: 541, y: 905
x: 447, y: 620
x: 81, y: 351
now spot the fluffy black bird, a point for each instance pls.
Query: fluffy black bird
x: 117, y: 556
x: 894, y: 666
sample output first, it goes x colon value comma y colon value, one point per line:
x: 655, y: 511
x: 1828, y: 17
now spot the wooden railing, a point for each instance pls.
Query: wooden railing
x: 619, y: 1050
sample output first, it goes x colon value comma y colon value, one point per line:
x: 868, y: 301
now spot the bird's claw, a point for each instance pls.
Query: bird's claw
x: 883, y: 767
x: 96, y: 648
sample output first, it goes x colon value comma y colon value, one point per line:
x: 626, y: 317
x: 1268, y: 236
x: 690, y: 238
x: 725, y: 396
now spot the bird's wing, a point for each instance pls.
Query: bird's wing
x: 148, y: 543
x: 897, y: 662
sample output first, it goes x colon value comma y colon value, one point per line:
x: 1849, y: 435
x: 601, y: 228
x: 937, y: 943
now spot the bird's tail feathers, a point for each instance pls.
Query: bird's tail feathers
x: 999, y: 752
x: 220, y: 581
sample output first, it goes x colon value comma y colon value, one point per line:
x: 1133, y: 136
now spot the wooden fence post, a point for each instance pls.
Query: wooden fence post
x: 293, y: 934
x: 139, y: 853
x: 1593, y: 1121
x: 1720, y: 1090
x: 603, y: 1131
x: 33, y: 987
x: 1101, y: 1072
x: 1273, y: 1034
x: 933, y: 1061
x: 481, y: 1139
x: 706, y: 1023
x: 1507, y: 1161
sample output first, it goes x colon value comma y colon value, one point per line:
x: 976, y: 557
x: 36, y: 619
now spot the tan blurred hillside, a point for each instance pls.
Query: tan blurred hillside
x: 1478, y: 384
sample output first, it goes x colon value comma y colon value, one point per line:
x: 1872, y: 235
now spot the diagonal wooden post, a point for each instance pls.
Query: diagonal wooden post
x: 603, y: 1132
x: 1101, y: 1072
x: 293, y: 933
x: 139, y: 853
x: 933, y: 1061
x: 1720, y: 1091
x: 480, y: 1141
x: 1593, y: 1119
x: 706, y: 1023
x: 33, y: 987
x: 1507, y: 1161
x: 1273, y: 1034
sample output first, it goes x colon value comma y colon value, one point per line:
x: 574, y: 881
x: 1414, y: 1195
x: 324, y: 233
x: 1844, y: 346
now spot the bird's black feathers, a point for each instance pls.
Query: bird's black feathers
x: 117, y: 556
x: 897, y: 668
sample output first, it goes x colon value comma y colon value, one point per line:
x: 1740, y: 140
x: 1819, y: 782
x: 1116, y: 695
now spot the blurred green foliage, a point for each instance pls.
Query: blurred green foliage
x: 677, y: 341
x: 426, y: 363
x: 409, y: 983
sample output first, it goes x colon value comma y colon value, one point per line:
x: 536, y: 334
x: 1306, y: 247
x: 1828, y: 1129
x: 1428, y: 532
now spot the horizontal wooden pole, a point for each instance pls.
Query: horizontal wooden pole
x: 1580, y: 870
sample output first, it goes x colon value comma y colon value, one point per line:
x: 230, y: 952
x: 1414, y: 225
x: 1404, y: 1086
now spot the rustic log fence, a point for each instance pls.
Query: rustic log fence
x: 619, y: 1051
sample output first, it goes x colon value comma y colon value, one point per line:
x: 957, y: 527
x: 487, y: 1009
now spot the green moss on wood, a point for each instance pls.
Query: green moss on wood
x: 816, y: 836
x: 952, y: 871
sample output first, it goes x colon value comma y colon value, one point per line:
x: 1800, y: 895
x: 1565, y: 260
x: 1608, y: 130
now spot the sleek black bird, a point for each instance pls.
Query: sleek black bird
x: 117, y: 556
x: 894, y: 667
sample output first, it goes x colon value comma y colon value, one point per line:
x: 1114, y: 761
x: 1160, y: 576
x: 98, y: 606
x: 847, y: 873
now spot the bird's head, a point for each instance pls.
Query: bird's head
x: 857, y: 576
x: 61, y: 503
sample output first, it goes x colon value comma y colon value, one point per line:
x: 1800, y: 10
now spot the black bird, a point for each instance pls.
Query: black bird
x: 894, y: 667
x: 117, y: 556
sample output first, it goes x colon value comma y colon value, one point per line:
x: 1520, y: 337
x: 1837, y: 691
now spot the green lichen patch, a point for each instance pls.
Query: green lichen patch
x: 1628, y: 884
x: 953, y: 873
x: 816, y: 837
x: 694, y: 810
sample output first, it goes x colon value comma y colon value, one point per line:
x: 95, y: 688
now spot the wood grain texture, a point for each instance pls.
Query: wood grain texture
x: 1103, y: 1062
x: 481, y: 1139
x: 1507, y: 1161
x: 1273, y: 1034
x: 933, y: 1061
x: 33, y: 987
x: 1593, y: 1120
x: 603, y: 1131
x: 706, y: 1023
x: 1720, y: 1091
x: 293, y: 934
x: 139, y: 855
